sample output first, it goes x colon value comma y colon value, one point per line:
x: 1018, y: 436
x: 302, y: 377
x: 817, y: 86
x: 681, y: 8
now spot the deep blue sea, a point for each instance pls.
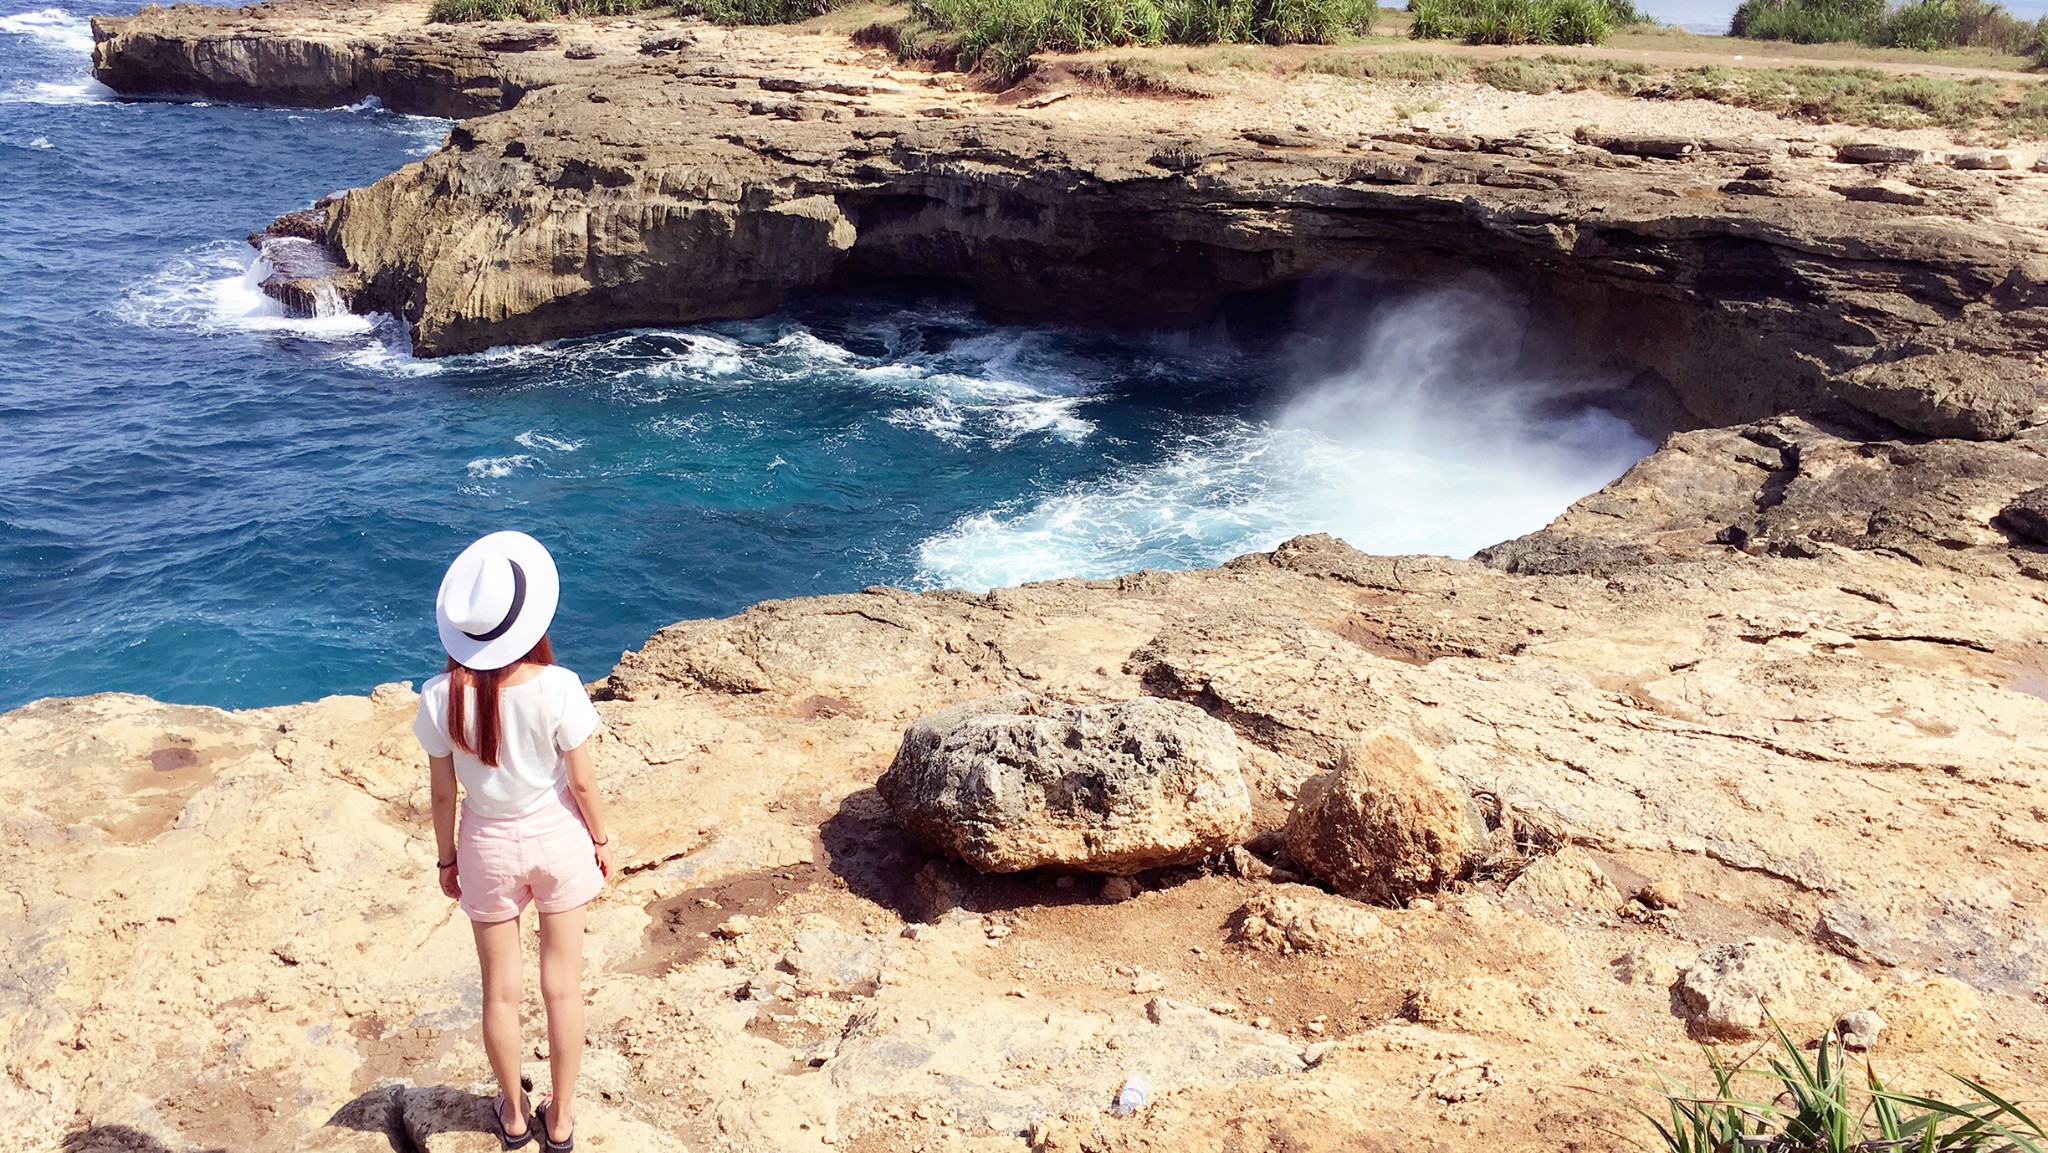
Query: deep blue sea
x: 210, y: 502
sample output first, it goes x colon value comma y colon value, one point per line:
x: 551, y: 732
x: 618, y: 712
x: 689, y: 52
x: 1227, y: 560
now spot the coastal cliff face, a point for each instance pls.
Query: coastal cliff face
x: 653, y: 174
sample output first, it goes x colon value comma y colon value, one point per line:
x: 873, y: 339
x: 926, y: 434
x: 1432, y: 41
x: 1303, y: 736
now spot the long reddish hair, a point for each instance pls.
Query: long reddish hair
x: 464, y: 681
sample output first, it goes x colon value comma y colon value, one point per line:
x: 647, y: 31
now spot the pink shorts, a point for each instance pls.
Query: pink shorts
x: 544, y: 858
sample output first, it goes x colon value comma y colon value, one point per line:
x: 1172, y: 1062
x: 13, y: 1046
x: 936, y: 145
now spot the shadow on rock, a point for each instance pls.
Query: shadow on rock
x: 115, y: 1139
x: 377, y: 1111
x: 868, y: 849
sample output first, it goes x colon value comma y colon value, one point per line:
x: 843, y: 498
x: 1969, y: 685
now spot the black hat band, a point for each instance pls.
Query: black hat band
x: 511, y: 614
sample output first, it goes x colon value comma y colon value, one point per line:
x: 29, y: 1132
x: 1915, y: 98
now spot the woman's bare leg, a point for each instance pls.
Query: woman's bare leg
x: 497, y: 950
x: 561, y: 990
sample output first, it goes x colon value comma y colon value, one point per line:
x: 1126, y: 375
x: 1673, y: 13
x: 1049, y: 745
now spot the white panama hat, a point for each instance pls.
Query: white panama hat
x: 497, y: 600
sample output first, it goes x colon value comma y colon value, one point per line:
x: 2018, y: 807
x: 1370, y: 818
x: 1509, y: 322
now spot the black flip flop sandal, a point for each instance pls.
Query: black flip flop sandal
x: 547, y: 1139
x: 506, y: 1140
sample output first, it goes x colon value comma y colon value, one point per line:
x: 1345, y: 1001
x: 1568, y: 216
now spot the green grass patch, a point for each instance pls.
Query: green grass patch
x: 1553, y: 73
x: 1851, y: 95
x: 1230, y: 60
x: 1409, y: 67
x: 755, y: 11
x: 1520, y: 21
x: 2028, y: 116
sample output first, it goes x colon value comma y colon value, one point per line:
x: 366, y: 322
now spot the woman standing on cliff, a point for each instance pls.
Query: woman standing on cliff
x: 512, y: 727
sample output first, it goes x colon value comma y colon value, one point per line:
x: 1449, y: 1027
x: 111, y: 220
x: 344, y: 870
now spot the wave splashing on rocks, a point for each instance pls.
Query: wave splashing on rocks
x: 1417, y: 431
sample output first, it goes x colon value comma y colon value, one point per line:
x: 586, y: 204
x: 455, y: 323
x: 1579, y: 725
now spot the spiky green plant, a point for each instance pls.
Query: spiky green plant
x: 1820, y: 1105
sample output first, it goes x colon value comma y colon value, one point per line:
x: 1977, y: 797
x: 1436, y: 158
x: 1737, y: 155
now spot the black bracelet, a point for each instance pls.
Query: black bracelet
x: 606, y: 841
x: 447, y: 864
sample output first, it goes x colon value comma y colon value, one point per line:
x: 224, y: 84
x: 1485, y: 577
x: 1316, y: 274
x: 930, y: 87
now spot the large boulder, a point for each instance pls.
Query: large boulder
x: 1386, y: 824
x: 1020, y: 782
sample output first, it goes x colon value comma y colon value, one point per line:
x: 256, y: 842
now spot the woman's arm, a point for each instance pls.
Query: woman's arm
x: 443, y: 769
x: 583, y: 786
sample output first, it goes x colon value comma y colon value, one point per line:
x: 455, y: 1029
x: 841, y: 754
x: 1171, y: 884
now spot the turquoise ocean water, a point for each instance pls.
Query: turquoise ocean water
x: 210, y: 502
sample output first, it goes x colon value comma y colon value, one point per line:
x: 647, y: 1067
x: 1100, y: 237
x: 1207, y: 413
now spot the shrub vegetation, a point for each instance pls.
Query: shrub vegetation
x: 1520, y: 21
x: 999, y: 36
x: 1928, y: 25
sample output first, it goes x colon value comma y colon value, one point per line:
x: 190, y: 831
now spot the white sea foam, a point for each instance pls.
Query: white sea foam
x: 542, y: 442
x: 52, y: 26
x: 1426, y: 443
x: 495, y: 467
x: 977, y: 391
x: 40, y: 142
x: 217, y: 289
x: 63, y: 33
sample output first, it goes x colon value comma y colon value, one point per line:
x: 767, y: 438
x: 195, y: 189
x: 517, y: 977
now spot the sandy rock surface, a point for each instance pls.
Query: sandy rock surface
x: 224, y: 930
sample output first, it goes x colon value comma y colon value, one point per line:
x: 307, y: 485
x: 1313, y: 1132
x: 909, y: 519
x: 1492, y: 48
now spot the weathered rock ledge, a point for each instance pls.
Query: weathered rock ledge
x: 1823, y: 775
x: 655, y: 173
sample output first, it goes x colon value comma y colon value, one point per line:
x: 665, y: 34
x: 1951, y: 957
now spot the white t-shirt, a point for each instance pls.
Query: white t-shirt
x: 537, y: 722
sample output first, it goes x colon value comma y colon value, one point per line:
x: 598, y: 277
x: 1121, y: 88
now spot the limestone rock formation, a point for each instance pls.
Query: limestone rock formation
x: 660, y: 174
x: 1021, y: 782
x: 1386, y: 824
x: 1950, y: 394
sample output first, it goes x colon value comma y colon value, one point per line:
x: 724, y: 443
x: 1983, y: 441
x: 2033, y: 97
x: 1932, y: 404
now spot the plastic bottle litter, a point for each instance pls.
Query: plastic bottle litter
x: 1136, y: 1091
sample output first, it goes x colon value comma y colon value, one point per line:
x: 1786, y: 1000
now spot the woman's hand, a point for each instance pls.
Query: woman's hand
x: 451, y: 884
x: 604, y: 859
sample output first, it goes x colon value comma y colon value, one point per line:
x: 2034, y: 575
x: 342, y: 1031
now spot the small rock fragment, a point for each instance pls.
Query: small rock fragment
x: 1566, y: 879
x: 1734, y: 990
x: 1878, y: 154
x: 1882, y: 192
x: 1859, y: 1029
x: 2026, y: 516
x: 1981, y: 160
x: 1661, y: 895
x: 1307, y: 921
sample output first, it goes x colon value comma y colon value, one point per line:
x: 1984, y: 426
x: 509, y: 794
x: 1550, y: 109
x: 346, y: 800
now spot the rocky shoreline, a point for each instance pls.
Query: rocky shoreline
x: 643, y: 173
x: 1760, y: 728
